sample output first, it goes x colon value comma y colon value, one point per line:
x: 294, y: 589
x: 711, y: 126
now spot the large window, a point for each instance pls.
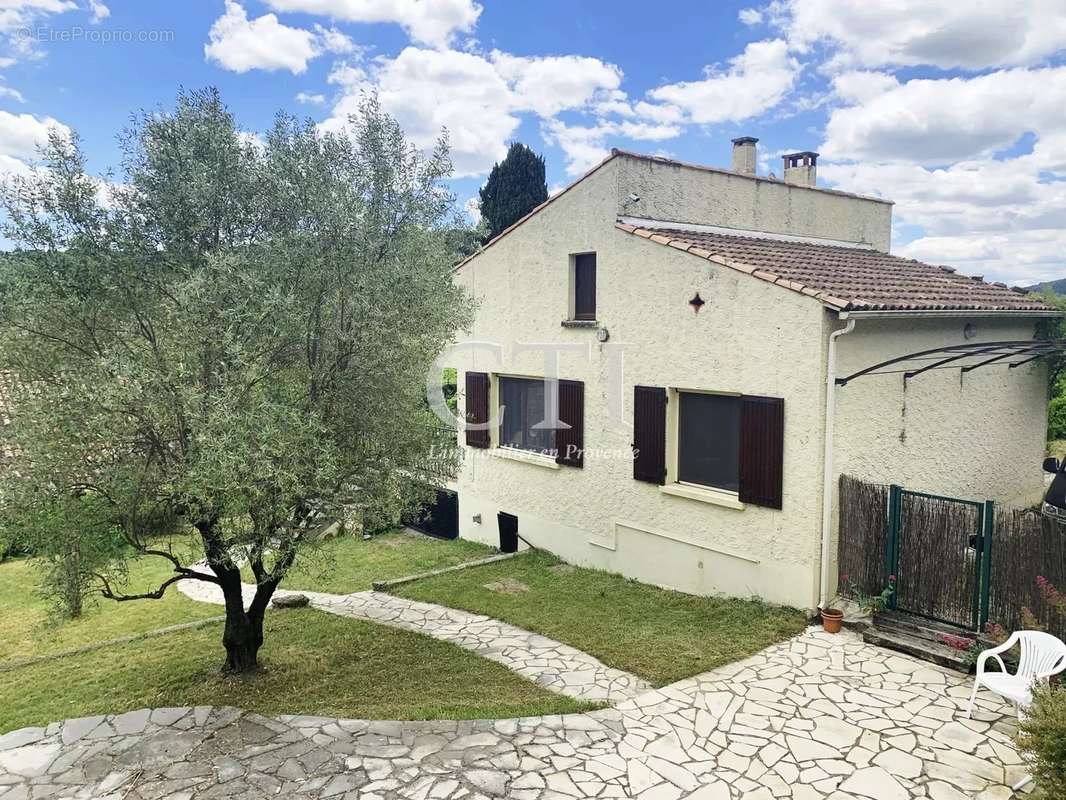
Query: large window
x: 521, y: 408
x: 708, y: 440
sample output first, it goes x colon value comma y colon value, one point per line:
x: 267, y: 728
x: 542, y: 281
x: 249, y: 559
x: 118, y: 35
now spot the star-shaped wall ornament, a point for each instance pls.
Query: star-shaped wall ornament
x: 697, y: 303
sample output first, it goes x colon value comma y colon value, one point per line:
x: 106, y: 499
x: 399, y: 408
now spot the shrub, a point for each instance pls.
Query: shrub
x: 1056, y: 418
x: 13, y: 542
x: 1043, y: 738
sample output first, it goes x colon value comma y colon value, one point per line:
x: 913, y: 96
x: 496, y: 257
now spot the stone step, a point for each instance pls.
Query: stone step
x: 920, y: 627
x: 925, y: 649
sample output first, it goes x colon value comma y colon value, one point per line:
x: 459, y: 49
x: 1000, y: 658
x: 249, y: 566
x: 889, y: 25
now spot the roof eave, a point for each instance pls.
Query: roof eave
x: 887, y: 313
x: 846, y: 308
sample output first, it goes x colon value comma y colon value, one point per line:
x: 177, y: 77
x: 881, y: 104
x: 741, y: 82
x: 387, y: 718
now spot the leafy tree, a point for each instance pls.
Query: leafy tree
x: 515, y: 187
x: 236, y: 332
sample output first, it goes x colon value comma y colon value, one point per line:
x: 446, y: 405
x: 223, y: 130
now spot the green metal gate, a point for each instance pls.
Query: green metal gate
x: 939, y: 550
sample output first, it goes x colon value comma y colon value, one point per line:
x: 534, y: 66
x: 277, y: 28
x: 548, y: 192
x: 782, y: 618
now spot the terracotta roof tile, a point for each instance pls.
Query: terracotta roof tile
x: 849, y: 278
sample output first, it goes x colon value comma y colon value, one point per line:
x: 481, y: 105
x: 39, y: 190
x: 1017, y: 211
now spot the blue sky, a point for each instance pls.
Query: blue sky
x: 953, y: 110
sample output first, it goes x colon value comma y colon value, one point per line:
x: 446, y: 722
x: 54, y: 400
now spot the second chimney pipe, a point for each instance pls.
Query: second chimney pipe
x: 801, y: 169
x: 744, y: 155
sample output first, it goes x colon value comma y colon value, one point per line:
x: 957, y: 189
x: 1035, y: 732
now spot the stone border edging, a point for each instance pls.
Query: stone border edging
x: 384, y: 586
x: 88, y: 648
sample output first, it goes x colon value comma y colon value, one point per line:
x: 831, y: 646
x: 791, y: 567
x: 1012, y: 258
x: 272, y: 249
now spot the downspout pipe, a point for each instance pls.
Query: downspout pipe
x: 827, y: 456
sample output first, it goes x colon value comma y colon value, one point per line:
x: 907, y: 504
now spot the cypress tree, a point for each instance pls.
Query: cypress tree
x: 515, y: 187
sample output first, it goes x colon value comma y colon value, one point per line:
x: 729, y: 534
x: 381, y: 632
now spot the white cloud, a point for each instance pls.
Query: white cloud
x: 477, y: 98
x: 754, y: 81
x: 947, y: 120
x: 17, y: 17
x: 943, y: 33
x: 15, y: 13
x: 583, y: 146
x: 14, y: 94
x: 586, y: 146
x: 990, y: 217
x: 98, y: 11
x: 307, y: 98
x: 1018, y: 258
x: 22, y: 134
x: 432, y: 22
x: 750, y: 16
x: 426, y: 90
x: 350, y: 76
x: 333, y: 41
x: 239, y: 44
x: 859, y: 86
x: 550, y: 84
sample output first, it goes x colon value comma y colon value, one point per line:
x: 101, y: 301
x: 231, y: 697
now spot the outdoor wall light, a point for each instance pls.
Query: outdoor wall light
x: 969, y: 330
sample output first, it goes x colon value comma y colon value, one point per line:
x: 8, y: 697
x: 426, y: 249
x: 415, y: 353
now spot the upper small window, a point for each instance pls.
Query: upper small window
x: 708, y: 440
x: 585, y: 286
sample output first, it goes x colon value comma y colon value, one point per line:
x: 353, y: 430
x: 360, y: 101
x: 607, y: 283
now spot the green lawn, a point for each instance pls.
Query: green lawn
x: 313, y: 663
x: 349, y: 564
x: 27, y: 630
x: 660, y: 635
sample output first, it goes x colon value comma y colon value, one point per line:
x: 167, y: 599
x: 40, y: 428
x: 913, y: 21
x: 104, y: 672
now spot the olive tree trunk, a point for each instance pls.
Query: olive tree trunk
x: 243, y: 635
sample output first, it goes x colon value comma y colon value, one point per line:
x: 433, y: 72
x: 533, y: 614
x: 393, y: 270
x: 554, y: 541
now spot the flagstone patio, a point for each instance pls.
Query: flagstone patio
x: 817, y: 716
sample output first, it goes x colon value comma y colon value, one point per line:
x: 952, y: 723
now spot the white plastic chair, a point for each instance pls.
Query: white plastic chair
x: 1042, y: 655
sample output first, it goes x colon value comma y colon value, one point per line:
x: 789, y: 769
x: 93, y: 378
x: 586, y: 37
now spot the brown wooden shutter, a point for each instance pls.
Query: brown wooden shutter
x: 585, y: 286
x: 570, y: 442
x: 762, y: 450
x: 477, y: 408
x: 649, y: 434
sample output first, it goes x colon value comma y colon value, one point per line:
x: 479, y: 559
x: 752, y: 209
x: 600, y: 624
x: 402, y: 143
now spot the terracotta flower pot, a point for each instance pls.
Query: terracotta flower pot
x: 832, y: 619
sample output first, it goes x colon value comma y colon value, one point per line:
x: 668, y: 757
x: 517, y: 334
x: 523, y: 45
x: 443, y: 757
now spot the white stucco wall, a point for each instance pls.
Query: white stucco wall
x: 979, y: 436
x: 750, y: 337
x: 678, y: 193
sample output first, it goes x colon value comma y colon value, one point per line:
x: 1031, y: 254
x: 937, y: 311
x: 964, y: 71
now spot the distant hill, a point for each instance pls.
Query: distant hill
x: 1058, y: 287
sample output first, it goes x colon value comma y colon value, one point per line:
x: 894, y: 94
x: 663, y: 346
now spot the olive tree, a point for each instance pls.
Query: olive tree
x: 232, y: 329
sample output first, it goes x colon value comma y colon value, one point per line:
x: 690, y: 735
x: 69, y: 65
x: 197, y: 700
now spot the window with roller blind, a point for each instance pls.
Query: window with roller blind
x: 729, y: 443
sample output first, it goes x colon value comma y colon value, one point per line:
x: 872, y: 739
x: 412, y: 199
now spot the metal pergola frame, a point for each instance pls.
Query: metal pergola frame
x: 959, y: 356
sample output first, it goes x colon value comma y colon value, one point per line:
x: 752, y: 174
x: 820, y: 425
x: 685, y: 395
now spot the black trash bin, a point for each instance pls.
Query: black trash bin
x: 508, y: 532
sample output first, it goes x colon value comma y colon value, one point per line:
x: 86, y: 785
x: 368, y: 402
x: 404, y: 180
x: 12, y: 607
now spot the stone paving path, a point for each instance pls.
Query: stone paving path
x: 553, y: 665
x: 817, y: 716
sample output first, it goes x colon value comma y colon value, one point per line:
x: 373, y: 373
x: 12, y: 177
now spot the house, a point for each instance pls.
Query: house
x: 694, y: 317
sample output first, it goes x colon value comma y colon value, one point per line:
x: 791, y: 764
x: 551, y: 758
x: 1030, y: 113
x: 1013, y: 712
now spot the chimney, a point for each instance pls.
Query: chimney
x: 744, y: 155
x: 801, y: 169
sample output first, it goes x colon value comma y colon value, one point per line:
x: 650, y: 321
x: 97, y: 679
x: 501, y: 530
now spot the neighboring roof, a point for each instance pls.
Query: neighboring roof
x: 846, y: 278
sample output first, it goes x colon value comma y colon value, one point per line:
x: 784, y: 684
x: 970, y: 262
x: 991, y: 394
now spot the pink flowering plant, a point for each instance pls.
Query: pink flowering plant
x: 995, y: 634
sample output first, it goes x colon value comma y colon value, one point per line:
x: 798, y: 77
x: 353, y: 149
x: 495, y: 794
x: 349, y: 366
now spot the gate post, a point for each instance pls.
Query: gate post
x: 892, y: 523
x: 988, y: 522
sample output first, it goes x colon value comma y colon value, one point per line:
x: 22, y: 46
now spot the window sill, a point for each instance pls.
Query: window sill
x: 715, y: 497
x: 580, y: 323
x: 527, y: 456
